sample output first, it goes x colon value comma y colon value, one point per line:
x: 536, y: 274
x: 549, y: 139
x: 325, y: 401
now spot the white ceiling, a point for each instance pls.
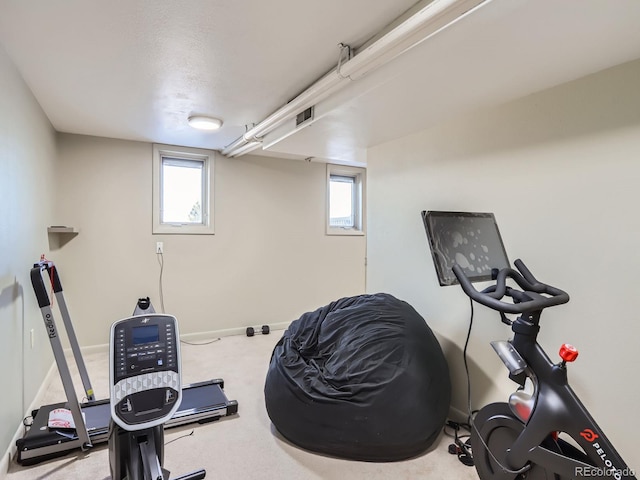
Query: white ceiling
x: 136, y: 69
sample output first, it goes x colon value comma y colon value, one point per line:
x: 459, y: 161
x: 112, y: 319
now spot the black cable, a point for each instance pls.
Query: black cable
x: 182, y: 436
x: 466, y: 366
x: 462, y: 443
x: 160, y: 258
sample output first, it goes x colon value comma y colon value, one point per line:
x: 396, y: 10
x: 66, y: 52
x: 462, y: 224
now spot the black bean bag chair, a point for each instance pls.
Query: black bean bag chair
x: 362, y: 378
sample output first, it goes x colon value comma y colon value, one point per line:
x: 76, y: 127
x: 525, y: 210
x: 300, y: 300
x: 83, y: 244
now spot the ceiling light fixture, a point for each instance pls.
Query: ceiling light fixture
x: 202, y: 122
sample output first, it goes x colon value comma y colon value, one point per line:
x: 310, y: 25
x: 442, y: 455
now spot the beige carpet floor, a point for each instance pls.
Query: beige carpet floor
x: 244, y: 446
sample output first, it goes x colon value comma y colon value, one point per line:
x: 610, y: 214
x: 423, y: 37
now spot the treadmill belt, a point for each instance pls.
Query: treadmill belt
x: 192, y: 398
x: 201, y: 402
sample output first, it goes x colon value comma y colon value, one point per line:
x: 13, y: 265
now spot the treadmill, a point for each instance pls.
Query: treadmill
x: 202, y: 402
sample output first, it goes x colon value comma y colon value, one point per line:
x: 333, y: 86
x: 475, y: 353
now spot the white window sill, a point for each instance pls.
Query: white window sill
x: 345, y: 231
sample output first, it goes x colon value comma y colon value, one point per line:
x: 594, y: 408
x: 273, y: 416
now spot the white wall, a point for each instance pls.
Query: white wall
x: 268, y: 262
x: 561, y: 172
x: 27, y: 163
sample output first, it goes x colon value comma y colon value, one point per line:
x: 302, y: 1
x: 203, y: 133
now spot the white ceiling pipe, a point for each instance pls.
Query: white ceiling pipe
x: 428, y: 21
x: 424, y: 24
x: 295, y: 106
x: 244, y: 149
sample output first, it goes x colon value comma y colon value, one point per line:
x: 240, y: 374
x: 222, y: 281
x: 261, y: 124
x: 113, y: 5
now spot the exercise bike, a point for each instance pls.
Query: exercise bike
x: 520, y: 439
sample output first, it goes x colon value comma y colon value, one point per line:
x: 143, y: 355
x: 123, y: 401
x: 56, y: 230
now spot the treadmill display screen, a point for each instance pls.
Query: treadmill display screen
x: 472, y: 240
x: 145, y: 334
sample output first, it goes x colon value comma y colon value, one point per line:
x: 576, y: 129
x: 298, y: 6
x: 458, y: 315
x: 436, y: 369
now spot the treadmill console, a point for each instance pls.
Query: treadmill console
x: 144, y: 377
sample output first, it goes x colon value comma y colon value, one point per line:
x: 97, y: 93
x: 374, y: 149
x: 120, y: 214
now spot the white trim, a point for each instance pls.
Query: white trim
x: 360, y: 182
x: 227, y: 332
x: 205, y: 156
x: 458, y: 415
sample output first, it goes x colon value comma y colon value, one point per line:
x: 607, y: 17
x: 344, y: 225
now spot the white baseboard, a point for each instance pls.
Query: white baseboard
x: 200, y: 336
x: 228, y: 332
x: 457, y: 415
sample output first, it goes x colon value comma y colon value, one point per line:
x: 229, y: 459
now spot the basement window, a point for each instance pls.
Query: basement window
x: 182, y: 190
x: 345, y: 204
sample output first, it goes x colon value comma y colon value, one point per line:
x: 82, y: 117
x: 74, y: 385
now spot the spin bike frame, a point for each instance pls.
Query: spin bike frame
x: 553, y: 406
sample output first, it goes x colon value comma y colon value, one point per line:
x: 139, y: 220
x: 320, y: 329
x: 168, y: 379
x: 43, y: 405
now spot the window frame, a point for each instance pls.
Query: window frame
x: 207, y: 157
x: 359, y: 176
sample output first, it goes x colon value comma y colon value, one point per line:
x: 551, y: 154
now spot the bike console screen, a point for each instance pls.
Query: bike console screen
x: 145, y: 334
x: 145, y: 370
x: 471, y: 240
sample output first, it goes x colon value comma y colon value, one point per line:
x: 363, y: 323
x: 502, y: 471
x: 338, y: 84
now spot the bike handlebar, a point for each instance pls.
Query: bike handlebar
x: 530, y: 298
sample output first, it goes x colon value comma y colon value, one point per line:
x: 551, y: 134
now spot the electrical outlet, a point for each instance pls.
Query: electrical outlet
x: 159, y: 247
x: 33, y: 338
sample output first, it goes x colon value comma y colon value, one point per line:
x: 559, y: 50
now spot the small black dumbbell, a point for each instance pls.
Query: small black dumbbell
x: 263, y: 330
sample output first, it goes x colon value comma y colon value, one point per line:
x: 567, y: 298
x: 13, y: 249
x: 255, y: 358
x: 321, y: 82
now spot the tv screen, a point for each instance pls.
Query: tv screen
x: 472, y: 240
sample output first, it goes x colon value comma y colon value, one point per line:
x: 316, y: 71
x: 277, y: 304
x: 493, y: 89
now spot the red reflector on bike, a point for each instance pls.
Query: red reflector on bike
x: 568, y: 352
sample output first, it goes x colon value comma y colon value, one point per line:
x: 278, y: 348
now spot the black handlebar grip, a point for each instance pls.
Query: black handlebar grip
x: 39, y: 287
x: 483, y: 298
x: 526, y: 273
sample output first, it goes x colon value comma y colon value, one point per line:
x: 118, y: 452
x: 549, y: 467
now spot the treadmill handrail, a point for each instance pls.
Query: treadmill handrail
x: 58, y: 354
x: 40, y: 290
